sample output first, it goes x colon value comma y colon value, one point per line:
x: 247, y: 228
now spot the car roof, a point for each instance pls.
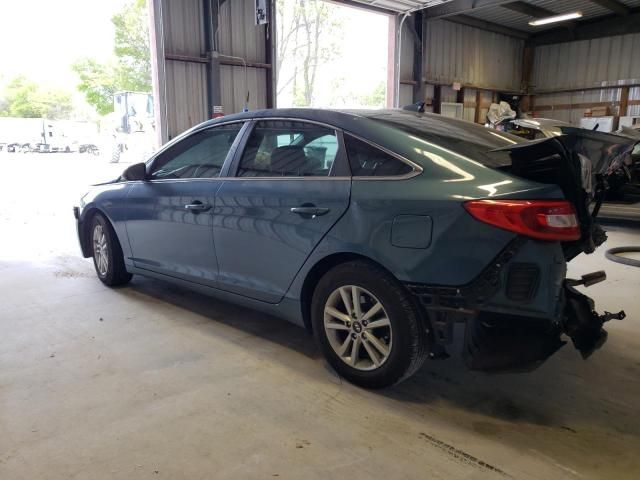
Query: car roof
x: 370, y: 123
x: 336, y: 117
x: 331, y: 116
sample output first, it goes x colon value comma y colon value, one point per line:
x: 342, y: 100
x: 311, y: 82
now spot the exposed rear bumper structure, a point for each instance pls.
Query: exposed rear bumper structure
x: 582, y: 323
x: 511, y: 341
x: 471, y: 297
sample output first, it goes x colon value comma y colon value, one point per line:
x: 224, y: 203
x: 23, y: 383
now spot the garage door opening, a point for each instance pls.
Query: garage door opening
x: 75, y: 109
x: 330, y: 55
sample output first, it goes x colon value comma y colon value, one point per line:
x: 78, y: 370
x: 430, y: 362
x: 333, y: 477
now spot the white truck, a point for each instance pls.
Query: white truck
x: 133, y: 126
x: 45, y: 136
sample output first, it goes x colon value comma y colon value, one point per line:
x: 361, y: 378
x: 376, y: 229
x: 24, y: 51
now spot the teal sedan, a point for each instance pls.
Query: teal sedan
x: 376, y: 230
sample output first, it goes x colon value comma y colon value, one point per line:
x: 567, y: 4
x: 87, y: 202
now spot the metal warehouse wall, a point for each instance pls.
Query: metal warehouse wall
x: 180, y: 61
x: 586, y: 64
x: 179, y: 28
x: 407, y: 49
x: 240, y: 37
x: 473, y: 57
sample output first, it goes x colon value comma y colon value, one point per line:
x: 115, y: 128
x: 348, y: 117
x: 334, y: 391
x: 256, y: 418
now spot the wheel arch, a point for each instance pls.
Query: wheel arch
x: 320, y: 268
x: 87, y: 218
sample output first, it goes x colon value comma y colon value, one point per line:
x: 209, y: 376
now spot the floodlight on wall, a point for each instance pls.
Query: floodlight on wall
x: 554, y: 19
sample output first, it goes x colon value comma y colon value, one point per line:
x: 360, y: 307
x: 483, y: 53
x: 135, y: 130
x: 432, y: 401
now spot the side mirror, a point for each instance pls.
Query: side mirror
x: 137, y: 171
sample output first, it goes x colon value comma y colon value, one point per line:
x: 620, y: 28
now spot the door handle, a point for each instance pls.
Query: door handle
x: 198, y: 206
x: 310, y: 212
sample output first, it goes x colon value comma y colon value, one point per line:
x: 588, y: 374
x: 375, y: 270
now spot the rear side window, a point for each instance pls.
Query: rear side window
x: 282, y: 148
x: 368, y: 161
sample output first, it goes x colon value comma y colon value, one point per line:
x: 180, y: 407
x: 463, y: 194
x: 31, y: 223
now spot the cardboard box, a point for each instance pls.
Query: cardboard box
x: 602, y: 111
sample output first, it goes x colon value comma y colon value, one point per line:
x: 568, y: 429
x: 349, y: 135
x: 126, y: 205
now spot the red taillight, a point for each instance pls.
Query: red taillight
x: 543, y: 219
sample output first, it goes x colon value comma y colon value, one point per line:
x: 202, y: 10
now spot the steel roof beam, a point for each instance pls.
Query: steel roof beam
x: 458, y: 7
x: 365, y: 6
x: 607, y: 27
x: 534, y: 11
x: 529, y: 9
x: 613, y: 5
x: 488, y: 26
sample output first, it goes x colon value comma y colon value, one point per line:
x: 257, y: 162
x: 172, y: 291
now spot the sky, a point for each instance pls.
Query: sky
x: 42, y: 38
x: 362, y: 63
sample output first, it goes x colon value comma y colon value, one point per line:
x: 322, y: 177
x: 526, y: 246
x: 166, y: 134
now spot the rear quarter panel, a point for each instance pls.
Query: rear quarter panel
x: 460, y: 247
x: 458, y: 250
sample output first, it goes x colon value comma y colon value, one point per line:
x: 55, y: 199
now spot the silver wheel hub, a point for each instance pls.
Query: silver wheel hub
x: 100, y: 250
x: 358, y: 327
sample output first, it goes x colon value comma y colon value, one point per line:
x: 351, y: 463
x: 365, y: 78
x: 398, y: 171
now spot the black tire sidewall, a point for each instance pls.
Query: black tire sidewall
x: 100, y: 220
x: 407, y: 335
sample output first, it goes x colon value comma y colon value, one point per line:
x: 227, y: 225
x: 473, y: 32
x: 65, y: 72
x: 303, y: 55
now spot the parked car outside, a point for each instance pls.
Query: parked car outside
x: 375, y: 230
x: 89, y: 148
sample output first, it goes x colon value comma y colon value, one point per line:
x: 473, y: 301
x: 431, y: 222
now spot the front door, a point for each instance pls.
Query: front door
x: 170, y: 217
x: 285, y: 196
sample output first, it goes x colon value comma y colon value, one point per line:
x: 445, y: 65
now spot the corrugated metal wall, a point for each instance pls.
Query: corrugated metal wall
x: 458, y: 53
x: 183, y: 88
x: 185, y: 91
x: 240, y: 37
x: 587, y: 63
x: 407, y: 49
x: 574, y: 115
x: 584, y: 64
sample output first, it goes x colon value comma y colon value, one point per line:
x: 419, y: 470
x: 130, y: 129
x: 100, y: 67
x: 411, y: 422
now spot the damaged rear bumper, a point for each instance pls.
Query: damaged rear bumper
x: 504, y: 342
x: 581, y: 321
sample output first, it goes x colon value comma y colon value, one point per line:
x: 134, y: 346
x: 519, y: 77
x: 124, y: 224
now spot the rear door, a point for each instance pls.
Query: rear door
x: 290, y: 187
x: 170, y: 216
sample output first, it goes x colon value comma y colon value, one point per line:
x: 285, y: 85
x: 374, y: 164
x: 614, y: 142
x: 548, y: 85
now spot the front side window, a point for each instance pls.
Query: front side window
x: 283, y: 148
x: 368, y: 161
x: 200, y: 155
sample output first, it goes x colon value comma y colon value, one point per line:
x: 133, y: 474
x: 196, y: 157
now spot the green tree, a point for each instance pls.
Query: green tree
x: 131, y: 67
x: 132, y: 48
x: 375, y: 98
x: 54, y: 104
x: 309, y: 34
x: 19, y: 95
x: 25, y: 98
x: 97, y: 82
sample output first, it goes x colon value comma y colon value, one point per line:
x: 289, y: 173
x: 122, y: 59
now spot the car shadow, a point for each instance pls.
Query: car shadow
x: 564, y: 393
x: 248, y: 321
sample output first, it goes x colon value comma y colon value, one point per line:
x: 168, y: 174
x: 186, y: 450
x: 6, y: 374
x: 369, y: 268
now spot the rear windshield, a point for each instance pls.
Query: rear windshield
x: 464, y: 138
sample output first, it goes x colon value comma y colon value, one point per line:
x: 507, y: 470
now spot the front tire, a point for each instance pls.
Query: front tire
x: 108, y: 259
x: 367, y: 325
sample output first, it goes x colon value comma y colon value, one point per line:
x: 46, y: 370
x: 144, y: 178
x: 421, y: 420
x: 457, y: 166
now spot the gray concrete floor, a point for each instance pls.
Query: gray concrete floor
x: 153, y: 381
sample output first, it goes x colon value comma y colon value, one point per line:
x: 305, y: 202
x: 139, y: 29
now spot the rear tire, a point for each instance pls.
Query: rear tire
x: 108, y: 259
x: 382, y: 339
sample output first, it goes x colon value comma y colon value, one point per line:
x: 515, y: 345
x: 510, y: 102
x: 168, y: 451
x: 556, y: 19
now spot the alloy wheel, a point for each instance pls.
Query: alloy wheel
x: 358, y: 327
x: 100, y: 250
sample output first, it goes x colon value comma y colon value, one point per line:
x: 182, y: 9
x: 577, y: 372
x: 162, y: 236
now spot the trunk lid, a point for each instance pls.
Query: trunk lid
x: 584, y: 164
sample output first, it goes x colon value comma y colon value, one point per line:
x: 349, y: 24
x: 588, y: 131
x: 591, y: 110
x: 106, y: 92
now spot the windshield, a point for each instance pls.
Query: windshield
x: 464, y: 138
